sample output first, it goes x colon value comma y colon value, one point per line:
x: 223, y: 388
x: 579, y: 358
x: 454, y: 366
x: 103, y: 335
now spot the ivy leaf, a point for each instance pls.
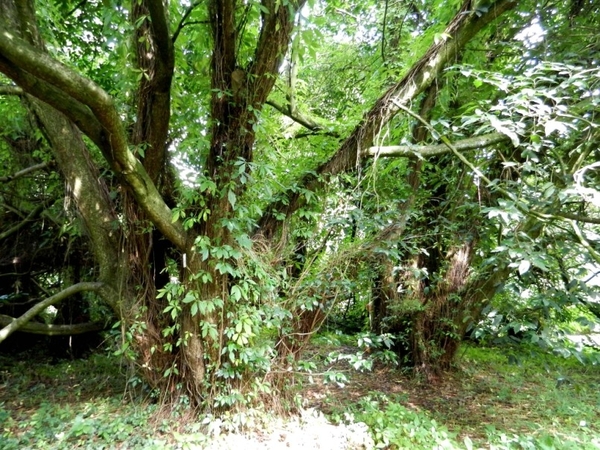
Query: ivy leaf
x: 236, y: 293
x: 189, y: 298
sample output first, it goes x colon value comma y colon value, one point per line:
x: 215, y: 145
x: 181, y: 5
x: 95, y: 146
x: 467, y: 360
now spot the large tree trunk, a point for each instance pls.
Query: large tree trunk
x: 436, y: 327
x: 84, y: 184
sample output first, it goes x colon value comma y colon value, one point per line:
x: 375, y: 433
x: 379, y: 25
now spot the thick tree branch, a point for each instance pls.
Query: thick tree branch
x: 113, y: 136
x: 578, y: 218
x: 161, y: 32
x: 566, y: 216
x: 42, y: 66
x: 239, y: 93
x: 465, y: 25
x: 15, y: 324
x: 422, y: 151
x: 272, y: 46
x: 79, y: 113
x: 53, y: 330
x: 155, y: 58
x: 22, y: 173
x: 10, y: 90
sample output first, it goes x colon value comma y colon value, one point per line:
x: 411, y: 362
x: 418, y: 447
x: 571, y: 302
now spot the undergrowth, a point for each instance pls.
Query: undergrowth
x: 498, y: 398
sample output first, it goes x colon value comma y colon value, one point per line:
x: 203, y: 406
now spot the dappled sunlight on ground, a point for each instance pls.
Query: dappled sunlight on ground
x: 82, y: 404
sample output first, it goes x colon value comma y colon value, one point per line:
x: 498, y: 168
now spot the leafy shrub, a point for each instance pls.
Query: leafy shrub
x: 395, y: 426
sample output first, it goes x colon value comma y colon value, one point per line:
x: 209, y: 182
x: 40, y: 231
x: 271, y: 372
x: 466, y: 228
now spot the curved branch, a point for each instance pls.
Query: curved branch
x: 42, y: 66
x: 112, y: 138
x: 54, y: 330
x: 77, y: 112
x: 15, y: 324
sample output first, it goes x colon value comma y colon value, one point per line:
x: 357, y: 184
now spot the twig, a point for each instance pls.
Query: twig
x: 24, y: 172
x: 306, y: 122
x: 32, y: 215
x: 77, y: 6
x: 183, y: 23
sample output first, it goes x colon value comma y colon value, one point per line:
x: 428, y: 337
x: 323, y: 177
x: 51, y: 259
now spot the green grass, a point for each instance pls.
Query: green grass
x: 544, y: 400
x: 71, y: 404
x: 498, y: 398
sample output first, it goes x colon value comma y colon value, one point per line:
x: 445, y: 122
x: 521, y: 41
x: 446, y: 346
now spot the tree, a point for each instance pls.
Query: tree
x: 461, y: 261
x: 129, y: 261
x: 207, y: 273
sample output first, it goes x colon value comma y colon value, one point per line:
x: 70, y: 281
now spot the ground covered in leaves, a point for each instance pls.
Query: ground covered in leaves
x: 496, y: 398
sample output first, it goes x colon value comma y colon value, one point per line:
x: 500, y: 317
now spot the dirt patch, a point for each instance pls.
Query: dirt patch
x: 311, y: 430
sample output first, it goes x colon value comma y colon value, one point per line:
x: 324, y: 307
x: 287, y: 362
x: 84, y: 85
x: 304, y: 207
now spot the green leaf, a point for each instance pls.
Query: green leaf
x: 232, y: 198
x: 501, y: 127
x: 524, y: 266
x: 189, y: 297
x: 236, y: 293
x: 244, y: 241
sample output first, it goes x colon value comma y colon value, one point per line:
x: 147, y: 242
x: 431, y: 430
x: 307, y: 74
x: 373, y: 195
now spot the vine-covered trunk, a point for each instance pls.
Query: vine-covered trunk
x: 436, y: 327
x: 428, y: 320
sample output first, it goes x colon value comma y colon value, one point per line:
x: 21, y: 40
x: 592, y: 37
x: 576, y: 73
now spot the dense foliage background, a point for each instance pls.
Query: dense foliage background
x: 215, y: 181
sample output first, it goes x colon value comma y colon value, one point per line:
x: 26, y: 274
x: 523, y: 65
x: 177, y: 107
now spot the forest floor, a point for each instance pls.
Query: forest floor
x: 498, y: 398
